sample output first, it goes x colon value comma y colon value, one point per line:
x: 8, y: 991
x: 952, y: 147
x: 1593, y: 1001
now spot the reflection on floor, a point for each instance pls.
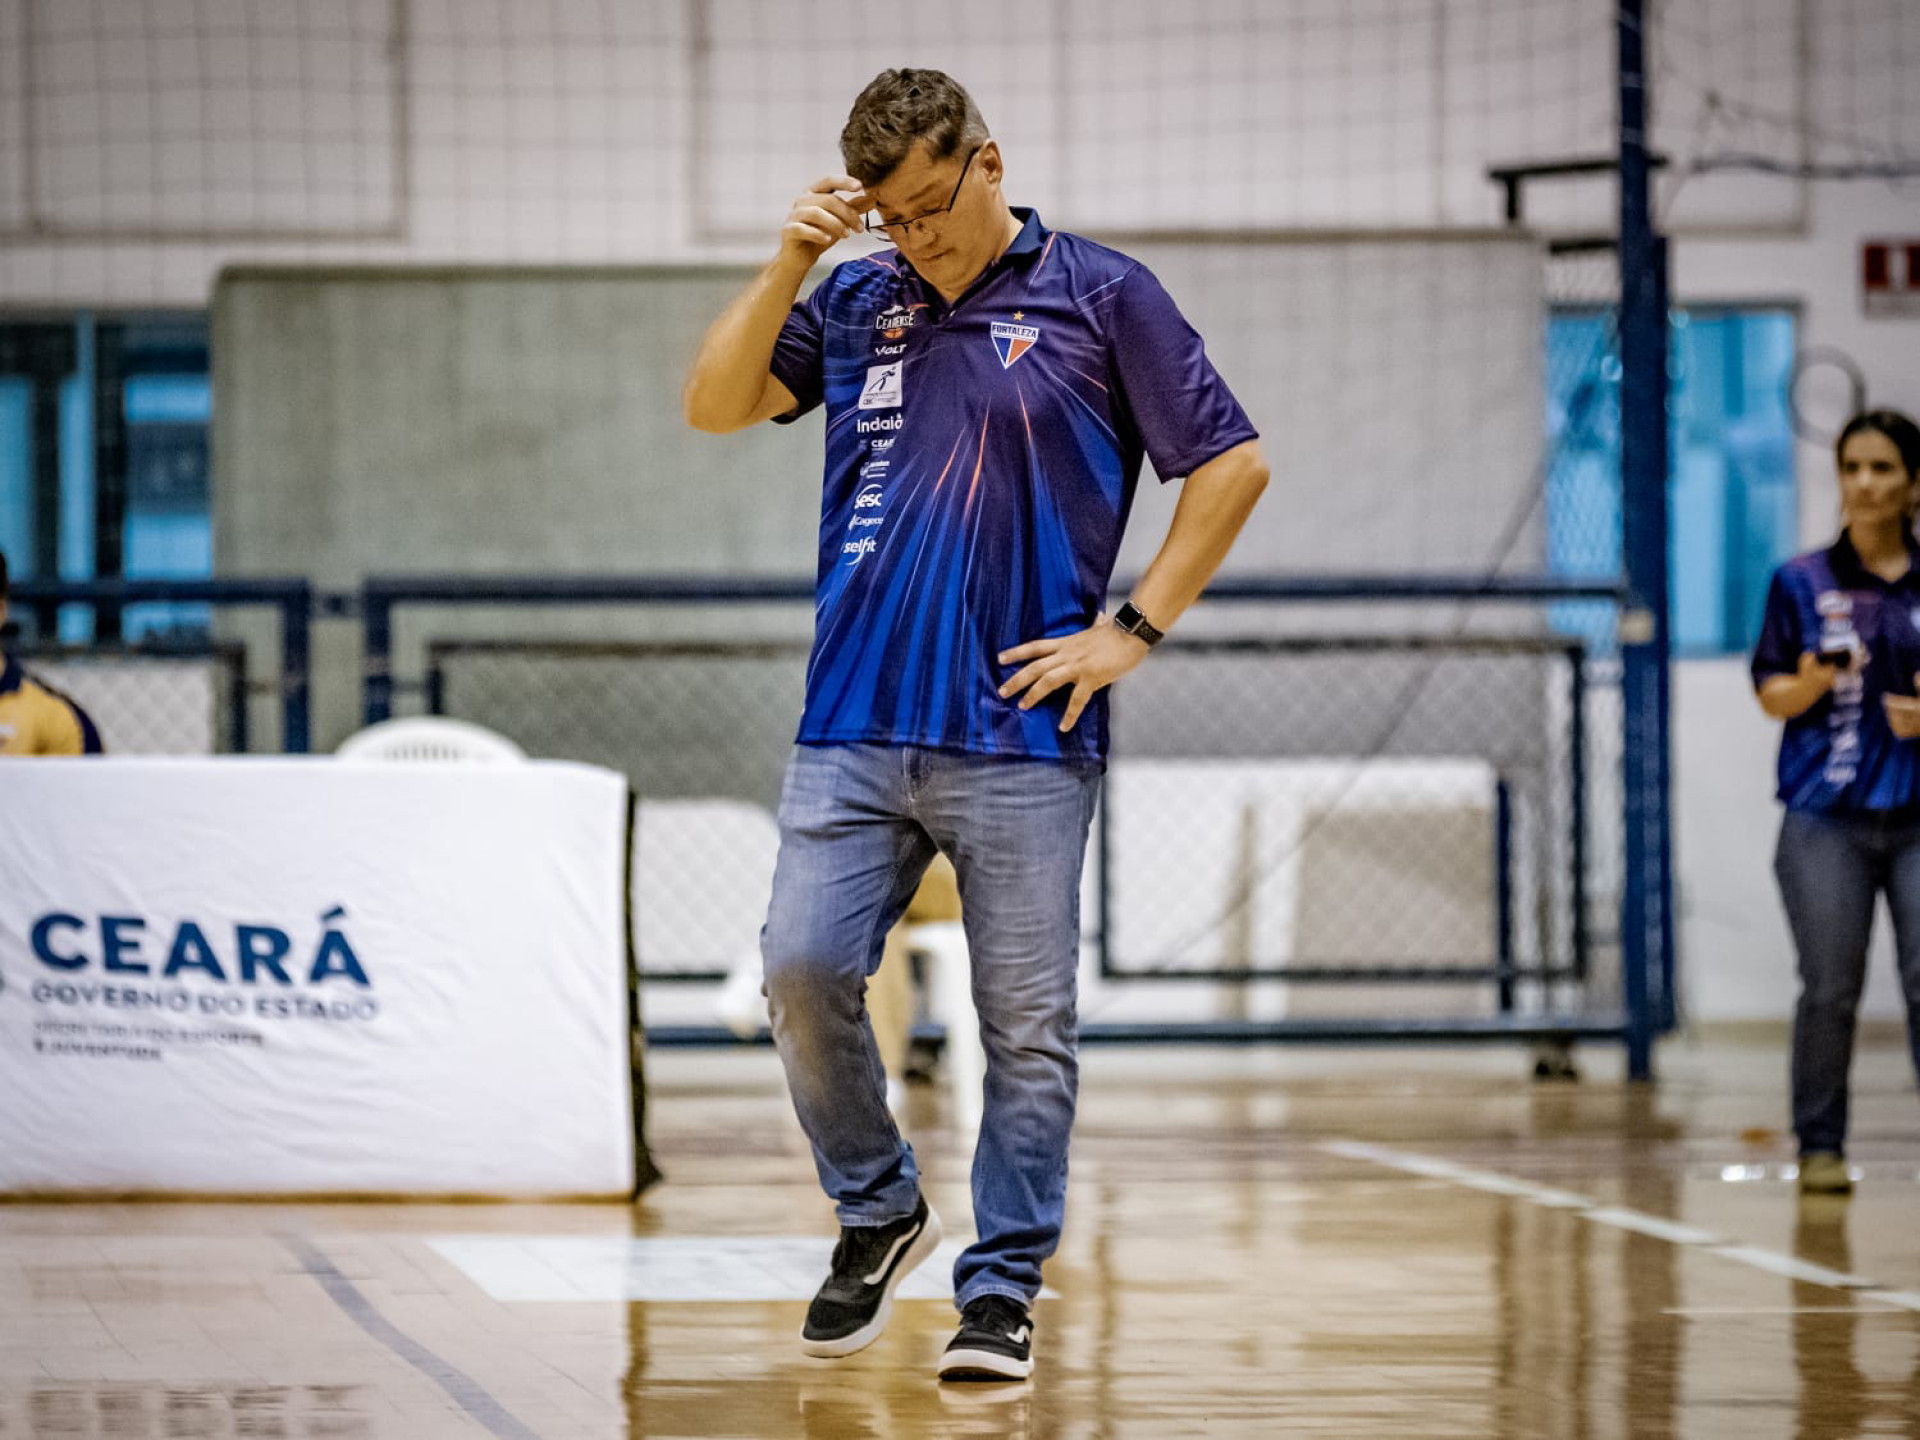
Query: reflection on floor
x: 1260, y: 1242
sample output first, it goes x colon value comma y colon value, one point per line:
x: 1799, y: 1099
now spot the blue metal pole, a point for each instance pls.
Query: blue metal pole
x: 296, y: 662
x: 1646, y: 899
x: 1503, y: 891
x: 376, y: 661
x: 1577, y: 816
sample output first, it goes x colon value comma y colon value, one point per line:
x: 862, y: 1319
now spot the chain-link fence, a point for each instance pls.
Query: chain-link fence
x: 1388, y: 823
x: 685, y: 720
x: 1421, y: 820
x: 702, y: 728
x: 244, y: 687
x: 178, y: 700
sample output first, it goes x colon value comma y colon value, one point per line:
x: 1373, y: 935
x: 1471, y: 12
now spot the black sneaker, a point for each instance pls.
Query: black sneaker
x: 869, y: 1263
x: 995, y: 1342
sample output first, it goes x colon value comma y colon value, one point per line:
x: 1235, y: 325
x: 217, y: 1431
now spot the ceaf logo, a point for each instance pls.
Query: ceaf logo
x: 1013, y: 341
x: 894, y: 321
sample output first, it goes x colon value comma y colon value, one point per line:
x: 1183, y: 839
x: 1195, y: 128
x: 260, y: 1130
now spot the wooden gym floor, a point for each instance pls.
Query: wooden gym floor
x: 1259, y: 1242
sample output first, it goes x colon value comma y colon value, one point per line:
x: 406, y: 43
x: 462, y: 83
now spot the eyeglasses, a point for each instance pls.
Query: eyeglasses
x: 894, y: 229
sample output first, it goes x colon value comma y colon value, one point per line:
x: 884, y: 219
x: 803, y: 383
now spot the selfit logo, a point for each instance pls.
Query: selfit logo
x: 1013, y: 341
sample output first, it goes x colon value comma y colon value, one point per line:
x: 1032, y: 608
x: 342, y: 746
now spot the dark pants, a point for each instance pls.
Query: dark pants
x: 1831, y: 870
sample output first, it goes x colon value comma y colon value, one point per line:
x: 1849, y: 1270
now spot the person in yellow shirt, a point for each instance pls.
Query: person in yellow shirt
x: 35, y: 719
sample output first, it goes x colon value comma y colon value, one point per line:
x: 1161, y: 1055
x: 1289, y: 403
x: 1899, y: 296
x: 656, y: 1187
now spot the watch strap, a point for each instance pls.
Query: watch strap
x: 1129, y: 619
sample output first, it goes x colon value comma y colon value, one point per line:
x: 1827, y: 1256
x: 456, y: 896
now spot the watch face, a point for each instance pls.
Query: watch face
x: 1129, y: 619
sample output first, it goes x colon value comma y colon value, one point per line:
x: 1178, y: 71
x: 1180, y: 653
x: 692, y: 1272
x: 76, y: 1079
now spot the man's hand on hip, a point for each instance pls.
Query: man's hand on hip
x: 1088, y: 661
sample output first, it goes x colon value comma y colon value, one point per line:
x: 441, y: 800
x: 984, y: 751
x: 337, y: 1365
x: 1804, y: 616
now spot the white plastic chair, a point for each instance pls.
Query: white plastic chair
x: 430, y: 737
x: 942, y: 946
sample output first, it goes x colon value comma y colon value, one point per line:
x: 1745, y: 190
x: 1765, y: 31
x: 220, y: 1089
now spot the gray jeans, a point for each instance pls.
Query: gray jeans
x: 1831, y: 870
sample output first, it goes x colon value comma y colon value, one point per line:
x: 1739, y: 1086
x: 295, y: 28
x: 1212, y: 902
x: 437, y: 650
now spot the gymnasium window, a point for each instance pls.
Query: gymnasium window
x: 104, y: 458
x: 1731, y: 514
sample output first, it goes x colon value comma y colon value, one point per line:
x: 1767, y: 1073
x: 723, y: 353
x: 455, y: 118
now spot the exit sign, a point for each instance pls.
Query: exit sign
x: 1890, y: 277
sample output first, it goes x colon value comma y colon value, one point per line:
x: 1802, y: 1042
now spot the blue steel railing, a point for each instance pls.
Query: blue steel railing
x: 1648, y: 979
x: 292, y: 598
x: 382, y: 596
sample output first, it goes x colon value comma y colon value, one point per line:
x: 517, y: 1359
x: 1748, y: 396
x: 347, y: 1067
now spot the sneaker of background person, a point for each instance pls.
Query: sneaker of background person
x: 1822, y: 1172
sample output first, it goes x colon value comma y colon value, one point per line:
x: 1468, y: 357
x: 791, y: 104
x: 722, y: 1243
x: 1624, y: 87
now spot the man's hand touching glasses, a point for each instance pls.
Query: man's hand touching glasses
x: 828, y: 212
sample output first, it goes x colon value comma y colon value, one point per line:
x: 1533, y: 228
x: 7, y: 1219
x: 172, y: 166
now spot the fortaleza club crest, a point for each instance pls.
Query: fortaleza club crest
x: 1013, y: 341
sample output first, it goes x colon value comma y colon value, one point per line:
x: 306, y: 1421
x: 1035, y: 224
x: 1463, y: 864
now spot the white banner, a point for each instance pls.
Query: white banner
x: 313, y: 976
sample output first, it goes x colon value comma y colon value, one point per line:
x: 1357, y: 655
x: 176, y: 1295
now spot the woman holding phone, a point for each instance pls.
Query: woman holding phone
x: 1838, y: 660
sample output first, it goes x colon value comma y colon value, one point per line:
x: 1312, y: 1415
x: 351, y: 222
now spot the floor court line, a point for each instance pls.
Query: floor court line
x: 467, y: 1393
x: 1653, y: 1226
x: 1731, y: 1312
x: 1432, y: 1167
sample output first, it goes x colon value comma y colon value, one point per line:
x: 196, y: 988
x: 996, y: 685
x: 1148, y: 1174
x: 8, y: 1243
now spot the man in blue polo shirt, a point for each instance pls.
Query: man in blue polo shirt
x: 991, y: 388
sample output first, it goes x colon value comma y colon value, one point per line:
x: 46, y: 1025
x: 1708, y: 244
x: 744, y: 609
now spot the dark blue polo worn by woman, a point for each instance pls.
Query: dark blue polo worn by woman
x: 1839, y: 660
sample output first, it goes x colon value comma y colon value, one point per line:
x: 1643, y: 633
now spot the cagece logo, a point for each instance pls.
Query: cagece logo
x: 882, y: 390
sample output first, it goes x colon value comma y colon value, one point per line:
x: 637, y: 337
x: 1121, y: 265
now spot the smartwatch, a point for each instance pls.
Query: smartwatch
x: 1129, y: 619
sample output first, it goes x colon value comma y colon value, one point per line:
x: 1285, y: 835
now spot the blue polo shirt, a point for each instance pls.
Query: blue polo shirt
x: 1840, y: 758
x: 981, y: 460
